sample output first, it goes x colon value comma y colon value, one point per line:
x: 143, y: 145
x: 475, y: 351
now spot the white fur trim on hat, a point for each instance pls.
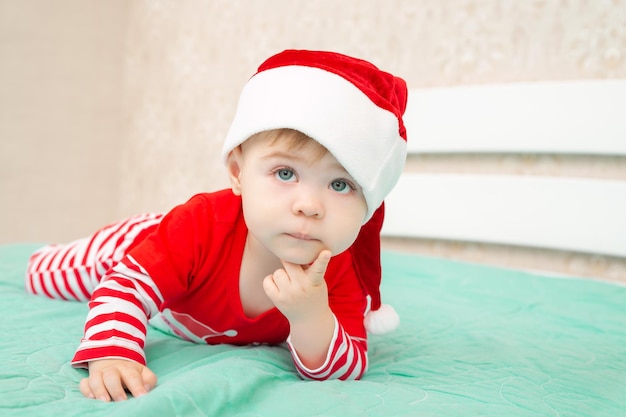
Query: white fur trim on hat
x: 362, y: 136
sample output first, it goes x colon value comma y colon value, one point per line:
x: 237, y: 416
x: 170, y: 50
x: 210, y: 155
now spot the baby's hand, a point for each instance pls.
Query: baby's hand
x: 299, y: 292
x: 109, y: 378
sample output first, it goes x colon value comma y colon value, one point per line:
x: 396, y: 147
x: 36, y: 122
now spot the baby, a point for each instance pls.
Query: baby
x: 290, y: 253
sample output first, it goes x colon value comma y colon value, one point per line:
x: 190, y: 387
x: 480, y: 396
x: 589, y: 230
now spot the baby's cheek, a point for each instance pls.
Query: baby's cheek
x: 346, y: 239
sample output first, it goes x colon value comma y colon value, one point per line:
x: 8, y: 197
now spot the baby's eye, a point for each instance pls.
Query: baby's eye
x: 284, y: 174
x: 341, y: 186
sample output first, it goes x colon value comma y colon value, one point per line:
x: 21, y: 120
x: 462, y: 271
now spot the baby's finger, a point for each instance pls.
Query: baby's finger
x: 317, y: 270
x: 291, y: 270
x: 113, y: 381
x: 269, y: 286
x: 149, y: 378
x: 133, y: 381
x: 85, y: 389
x: 283, y: 277
x: 98, y: 388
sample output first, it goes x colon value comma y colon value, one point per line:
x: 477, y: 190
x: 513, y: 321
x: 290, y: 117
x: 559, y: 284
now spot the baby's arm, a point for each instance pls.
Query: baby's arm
x: 302, y: 296
x: 346, y: 358
x: 110, y: 378
x: 321, y: 347
x: 115, y: 333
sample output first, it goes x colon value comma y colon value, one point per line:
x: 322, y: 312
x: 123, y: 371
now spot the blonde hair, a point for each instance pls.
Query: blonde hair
x: 292, y: 140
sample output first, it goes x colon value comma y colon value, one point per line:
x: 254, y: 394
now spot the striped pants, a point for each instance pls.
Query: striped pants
x: 72, y: 271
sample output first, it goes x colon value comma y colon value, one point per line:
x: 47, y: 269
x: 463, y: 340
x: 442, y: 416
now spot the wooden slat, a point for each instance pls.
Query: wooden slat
x: 546, y: 212
x: 570, y: 117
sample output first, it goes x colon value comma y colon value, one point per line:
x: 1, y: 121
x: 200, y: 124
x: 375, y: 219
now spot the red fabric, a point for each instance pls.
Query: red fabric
x: 384, y: 89
x: 366, y: 256
x: 204, y: 241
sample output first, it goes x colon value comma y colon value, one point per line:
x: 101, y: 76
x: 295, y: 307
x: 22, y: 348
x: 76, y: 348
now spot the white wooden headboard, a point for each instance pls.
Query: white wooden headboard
x: 577, y: 214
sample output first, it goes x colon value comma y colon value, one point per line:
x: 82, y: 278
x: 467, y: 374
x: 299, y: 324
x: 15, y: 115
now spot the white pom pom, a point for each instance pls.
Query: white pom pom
x: 382, y: 321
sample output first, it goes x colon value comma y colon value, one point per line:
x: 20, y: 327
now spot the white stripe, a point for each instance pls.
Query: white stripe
x: 113, y: 285
x: 132, y: 234
x: 343, y: 371
x: 36, y: 280
x: 114, y: 325
x: 70, y: 259
x: 113, y: 305
x: 149, y: 306
x: 58, y: 278
x: 112, y: 342
x: 46, y: 282
x: 342, y: 351
x: 101, y: 268
x: 366, y: 365
x: 94, y: 277
x: 358, y: 368
x: 97, y: 242
x: 81, y: 249
x: 104, y: 243
x: 75, y: 275
x: 129, y: 231
x: 46, y: 257
x: 73, y: 283
x: 79, y: 246
x: 55, y: 261
x: 144, y: 278
x: 108, y: 250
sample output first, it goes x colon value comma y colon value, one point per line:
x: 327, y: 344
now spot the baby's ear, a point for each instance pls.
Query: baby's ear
x: 233, y: 165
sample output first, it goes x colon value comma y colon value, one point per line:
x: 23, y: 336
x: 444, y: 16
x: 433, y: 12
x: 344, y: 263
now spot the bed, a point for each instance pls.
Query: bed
x: 474, y: 339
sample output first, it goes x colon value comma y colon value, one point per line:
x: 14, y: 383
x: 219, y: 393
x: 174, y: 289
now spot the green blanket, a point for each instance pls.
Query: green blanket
x: 473, y: 341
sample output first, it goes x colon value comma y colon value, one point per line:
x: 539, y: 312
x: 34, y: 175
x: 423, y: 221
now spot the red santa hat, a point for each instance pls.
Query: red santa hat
x: 355, y: 111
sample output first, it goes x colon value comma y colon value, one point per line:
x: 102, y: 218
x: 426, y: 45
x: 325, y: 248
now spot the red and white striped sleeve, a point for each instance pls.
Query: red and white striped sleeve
x: 118, y: 316
x: 346, y: 358
x: 72, y: 271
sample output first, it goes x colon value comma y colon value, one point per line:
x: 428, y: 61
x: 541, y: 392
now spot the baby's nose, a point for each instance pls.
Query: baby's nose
x: 308, y: 204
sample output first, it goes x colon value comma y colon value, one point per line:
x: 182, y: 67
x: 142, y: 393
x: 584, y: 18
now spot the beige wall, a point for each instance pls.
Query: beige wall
x: 109, y: 108
x: 61, y: 69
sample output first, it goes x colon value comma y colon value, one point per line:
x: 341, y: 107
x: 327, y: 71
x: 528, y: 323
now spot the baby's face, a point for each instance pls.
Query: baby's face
x: 296, y: 202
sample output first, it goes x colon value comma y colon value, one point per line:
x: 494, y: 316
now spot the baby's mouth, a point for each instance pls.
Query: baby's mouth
x: 301, y: 236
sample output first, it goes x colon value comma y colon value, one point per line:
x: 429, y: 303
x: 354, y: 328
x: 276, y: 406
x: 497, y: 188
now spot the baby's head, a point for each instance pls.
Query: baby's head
x: 354, y: 111
x: 347, y: 105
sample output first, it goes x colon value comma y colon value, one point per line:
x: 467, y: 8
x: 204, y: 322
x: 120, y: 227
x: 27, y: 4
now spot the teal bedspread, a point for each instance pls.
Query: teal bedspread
x: 474, y: 341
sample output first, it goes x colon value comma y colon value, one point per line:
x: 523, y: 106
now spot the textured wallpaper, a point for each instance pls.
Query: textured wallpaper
x: 125, y: 103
